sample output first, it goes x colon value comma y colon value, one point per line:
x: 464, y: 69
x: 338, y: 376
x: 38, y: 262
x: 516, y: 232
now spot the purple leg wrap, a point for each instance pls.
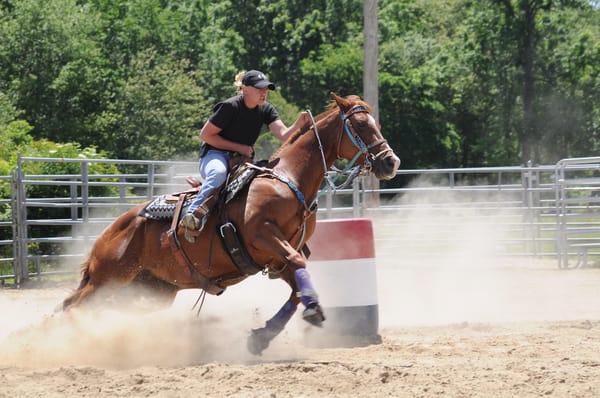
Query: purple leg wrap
x: 279, y: 320
x: 308, y: 295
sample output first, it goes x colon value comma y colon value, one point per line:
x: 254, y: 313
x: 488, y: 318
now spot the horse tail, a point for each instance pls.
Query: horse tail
x: 85, y: 273
x: 85, y: 278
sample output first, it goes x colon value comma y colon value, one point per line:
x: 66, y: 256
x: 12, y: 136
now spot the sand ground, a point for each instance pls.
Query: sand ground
x: 455, y: 320
x: 515, y: 328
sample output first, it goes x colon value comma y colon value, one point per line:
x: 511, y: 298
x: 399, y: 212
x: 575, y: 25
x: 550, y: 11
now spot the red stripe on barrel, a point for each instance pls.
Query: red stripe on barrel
x: 342, y: 240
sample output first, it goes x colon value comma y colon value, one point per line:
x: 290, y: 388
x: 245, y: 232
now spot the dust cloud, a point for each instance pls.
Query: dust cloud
x: 33, y: 336
x: 436, y: 265
x: 444, y: 258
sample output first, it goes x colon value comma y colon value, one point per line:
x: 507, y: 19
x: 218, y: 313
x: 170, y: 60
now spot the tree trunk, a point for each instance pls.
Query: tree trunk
x: 371, y: 81
x: 528, y: 131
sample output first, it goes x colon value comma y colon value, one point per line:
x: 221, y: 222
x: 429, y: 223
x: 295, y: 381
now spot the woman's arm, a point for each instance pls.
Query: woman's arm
x: 210, y: 135
x: 282, y: 132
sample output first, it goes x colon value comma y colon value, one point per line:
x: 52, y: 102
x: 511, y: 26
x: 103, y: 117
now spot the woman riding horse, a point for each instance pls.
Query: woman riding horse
x: 274, y: 215
x: 233, y: 129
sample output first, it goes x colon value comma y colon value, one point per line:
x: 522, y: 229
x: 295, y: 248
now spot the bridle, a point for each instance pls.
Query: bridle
x: 348, y: 128
x: 357, y: 141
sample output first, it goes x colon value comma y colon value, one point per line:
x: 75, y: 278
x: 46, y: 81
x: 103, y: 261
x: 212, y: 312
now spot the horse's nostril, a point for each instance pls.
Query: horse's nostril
x: 391, y: 162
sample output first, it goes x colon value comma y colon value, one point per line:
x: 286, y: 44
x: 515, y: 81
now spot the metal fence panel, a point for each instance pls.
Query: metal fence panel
x: 578, y: 215
x: 545, y: 210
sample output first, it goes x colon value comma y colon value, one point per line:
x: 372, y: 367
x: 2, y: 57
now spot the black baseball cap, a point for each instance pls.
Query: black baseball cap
x: 257, y: 79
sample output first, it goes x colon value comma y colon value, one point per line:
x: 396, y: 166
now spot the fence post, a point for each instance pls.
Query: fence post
x: 356, y: 205
x: 85, y: 198
x: 530, y: 207
x: 170, y: 176
x: 561, y: 216
x: 14, y: 206
x: 122, y: 189
x: 150, y: 192
x: 20, y: 219
x: 85, y: 210
x: 73, y: 194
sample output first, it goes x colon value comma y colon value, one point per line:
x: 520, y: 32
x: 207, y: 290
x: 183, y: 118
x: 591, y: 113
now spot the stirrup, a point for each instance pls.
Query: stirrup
x: 193, y: 225
x: 190, y: 221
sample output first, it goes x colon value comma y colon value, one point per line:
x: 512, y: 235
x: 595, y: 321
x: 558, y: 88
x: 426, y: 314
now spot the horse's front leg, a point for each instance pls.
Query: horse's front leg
x: 272, y: 240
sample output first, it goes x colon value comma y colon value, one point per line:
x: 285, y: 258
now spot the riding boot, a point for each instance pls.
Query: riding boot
x: 198, y: 218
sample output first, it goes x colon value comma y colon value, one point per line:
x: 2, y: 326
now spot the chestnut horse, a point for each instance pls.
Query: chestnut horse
x: 273, y: 216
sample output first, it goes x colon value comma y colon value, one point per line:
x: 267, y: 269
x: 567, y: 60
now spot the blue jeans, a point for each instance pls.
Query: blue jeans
x: 214, y: 166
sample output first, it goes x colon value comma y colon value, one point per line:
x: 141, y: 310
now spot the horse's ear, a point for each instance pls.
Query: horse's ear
x: 343, y: 103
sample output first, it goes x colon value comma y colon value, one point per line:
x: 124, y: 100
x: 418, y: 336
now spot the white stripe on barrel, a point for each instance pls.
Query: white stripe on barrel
x: 342, y: 267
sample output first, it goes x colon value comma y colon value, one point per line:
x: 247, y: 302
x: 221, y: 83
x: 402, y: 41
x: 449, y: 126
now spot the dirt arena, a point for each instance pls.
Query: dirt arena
x: 466, y: 323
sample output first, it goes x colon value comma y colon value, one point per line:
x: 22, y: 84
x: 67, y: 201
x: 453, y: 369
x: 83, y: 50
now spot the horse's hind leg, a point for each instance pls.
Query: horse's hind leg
x: 161, y: 293
x: 260, y: 339
x: 96, y: 277
x: 113, y: 261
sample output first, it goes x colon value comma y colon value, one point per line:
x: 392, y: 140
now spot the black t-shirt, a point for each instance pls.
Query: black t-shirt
x: 239, y: 123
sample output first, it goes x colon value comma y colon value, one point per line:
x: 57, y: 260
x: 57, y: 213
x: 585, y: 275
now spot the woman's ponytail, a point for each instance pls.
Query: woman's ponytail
x: 238, y: 80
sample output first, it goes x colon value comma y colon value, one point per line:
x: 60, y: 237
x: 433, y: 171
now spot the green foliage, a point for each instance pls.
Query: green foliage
x: 17, y: 141
x: 332, y: 69
x: 267, y: 143
x: 156, y: 112
x: 462, y: 82
x: 49, y: 64
x: 15, y: 138
x: 125, y: 76
x: 570, y: 82
x: 278, y: 35
x: 8, y: 112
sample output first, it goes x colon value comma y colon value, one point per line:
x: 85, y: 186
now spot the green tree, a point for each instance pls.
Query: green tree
x: 157, y: 110
x: 49, y: 64
x: 515, y: 99
x: 278, y: 35
x: 267, y: 143
x: 8, y: 112
x: 569, y: 82
x: 17, y: 141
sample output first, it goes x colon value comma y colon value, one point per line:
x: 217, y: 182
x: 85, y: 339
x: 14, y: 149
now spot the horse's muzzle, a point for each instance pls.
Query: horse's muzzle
x: 386, y: 166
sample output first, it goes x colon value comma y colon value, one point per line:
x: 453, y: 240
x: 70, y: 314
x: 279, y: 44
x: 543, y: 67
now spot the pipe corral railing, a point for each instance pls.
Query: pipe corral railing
x: 549, y: 211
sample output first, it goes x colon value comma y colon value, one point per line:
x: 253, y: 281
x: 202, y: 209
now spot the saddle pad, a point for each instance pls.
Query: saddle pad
x: 163, y: 208
x: 238, y: 181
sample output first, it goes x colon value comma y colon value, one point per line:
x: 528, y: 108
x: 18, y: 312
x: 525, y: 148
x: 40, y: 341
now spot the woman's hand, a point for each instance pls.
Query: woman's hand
x: 247, y: 151
x: 303, y: 119
x: 282, y: 132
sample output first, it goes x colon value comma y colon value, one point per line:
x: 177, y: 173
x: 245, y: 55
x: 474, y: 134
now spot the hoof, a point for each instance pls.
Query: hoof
x: 314, y: 315
x: 258, y: 341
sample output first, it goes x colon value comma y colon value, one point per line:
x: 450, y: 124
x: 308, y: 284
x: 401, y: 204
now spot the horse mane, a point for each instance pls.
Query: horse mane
x: 331, y: 108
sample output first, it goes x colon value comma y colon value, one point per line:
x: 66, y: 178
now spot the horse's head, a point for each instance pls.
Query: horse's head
x: 362, y: 138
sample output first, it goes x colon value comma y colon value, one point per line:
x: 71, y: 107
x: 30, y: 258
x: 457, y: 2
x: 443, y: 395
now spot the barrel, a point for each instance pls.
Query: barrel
x: 343, y: 269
